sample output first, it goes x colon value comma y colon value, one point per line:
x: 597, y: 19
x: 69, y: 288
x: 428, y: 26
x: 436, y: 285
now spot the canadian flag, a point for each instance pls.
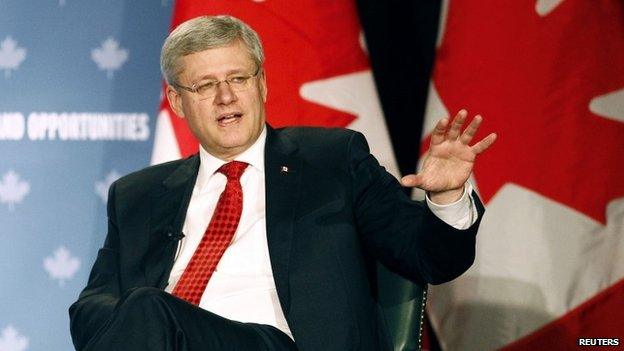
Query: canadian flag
x: 317, y: 69
x: 548, y: 77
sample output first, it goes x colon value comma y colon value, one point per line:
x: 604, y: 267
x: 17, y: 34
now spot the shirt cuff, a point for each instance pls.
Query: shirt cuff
x: 460, y: 214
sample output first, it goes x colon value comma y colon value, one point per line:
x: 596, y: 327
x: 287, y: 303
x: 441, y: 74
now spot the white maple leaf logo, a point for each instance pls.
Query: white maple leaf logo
x: 11, y: 340
x: 62, y: 265
x: 109, y: 57
x: 101, y: 188
x: 12, y: 189
x: 11, y: 56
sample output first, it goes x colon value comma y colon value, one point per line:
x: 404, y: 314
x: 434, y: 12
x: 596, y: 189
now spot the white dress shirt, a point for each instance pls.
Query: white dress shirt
x: 242, y: 286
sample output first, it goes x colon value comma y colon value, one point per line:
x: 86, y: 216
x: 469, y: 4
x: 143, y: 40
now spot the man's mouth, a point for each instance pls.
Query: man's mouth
x: 226, y: 119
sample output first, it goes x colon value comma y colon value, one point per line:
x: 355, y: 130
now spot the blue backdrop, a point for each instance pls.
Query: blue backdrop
x: 79, y: 92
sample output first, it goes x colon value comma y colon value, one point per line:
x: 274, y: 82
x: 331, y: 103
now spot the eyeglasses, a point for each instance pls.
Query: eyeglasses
x: 207, y: 89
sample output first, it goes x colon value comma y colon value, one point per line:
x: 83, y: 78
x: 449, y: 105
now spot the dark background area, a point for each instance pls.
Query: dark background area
x: 401, y: 40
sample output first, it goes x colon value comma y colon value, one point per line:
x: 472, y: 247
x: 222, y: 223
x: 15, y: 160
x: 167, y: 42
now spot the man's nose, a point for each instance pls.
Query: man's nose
x: 225, y: 94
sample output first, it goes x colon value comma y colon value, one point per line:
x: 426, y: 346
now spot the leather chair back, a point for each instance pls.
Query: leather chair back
x: 403, y: 309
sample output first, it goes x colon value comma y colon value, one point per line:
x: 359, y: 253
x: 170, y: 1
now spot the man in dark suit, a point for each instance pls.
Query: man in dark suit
x: 262, y: 241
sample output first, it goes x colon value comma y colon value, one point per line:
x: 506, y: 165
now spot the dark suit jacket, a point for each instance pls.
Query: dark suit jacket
x: 333, y: 212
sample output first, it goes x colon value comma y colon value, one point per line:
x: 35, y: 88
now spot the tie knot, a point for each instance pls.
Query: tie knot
x: 233, y: 170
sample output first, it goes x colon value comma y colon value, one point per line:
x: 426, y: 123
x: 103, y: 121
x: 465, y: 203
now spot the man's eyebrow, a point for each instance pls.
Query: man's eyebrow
x: 229, y: 73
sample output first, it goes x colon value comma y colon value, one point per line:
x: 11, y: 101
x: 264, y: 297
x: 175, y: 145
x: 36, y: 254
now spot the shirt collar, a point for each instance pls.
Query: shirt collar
x: 254, y: 156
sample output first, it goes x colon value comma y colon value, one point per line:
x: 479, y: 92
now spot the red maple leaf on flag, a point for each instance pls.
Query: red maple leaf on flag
x: 533, y: 78
x: 303, y: 42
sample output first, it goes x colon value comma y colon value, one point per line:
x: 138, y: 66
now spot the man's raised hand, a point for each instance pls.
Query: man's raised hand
x: 449, y: 161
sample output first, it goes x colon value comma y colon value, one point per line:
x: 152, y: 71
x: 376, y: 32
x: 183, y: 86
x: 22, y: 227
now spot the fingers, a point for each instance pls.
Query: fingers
x: 458, y: 121
x: 471, y: 130
x: 437, y: 136
x: 484, y: 143
x: 442, y: 132
x: 412, y: 180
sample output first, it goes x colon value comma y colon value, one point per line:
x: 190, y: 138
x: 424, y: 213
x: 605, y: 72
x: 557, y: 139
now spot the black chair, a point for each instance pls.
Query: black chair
x: 403, y: 308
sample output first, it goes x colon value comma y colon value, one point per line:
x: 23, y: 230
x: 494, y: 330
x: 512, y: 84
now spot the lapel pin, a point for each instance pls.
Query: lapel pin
x: 284, y: 169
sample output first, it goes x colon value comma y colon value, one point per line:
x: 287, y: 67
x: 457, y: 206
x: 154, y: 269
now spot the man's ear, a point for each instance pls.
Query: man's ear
x: 175, y: 101
x: 263, y: 86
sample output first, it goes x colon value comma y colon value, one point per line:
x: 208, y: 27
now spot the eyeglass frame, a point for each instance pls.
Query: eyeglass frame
x: 195, y: 89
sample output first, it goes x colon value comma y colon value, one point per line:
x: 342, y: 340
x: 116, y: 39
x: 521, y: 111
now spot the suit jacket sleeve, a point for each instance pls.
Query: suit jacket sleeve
x: 97, y: 301
x: 402, y: 234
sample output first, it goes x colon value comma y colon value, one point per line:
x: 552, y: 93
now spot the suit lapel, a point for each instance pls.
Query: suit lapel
x: 283, y: 178
x: 168, y: 211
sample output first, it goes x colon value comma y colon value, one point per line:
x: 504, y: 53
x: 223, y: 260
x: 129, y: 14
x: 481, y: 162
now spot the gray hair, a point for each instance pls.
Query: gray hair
x: 203, y: 33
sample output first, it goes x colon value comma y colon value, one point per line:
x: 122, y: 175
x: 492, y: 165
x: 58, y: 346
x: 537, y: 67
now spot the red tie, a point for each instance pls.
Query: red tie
x: 217, y: 237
